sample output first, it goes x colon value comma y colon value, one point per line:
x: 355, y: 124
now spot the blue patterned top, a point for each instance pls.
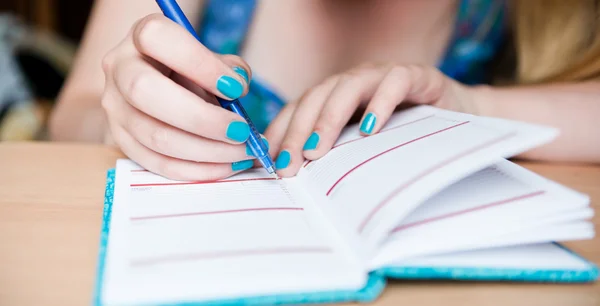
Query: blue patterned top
x: 478, y: 32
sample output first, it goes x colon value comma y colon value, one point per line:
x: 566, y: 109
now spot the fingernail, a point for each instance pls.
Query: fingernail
x: 283, y: 160
x: 249, y: 151
x: 242, y: 165
x: 241, y: 71
x: 312, y: 142
x: 230, y: 87
x: 238, y: 131
x: 368, y: 123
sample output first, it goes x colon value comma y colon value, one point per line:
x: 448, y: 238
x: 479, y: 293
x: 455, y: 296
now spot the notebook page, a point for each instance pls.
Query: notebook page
x: 366, y: 185
x: 562, y: 227
x: 496, y: 201
x: 546, y: 256
x: 244, y: 236
x: 568, y: 231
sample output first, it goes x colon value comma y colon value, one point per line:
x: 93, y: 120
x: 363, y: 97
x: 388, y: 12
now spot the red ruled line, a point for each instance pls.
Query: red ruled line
x: 469, y: 210
x: 227, y: 254
x: 425, y: 173
x: 216, y: 212
x: 202, y: 182
x: 139, y: 170
x: 380, y: 132
x: 390, y: 150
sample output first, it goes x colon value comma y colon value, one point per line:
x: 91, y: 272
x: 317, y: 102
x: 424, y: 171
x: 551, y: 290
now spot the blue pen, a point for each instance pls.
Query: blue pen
x: 171, y: 10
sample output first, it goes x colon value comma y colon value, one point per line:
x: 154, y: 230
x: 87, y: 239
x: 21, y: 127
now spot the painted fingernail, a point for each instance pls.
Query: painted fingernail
x: 283, y: 160
x: 368, y: 123
x: 249, y: 150
x: 242, y: 165
x: 238, y: 131
x: 312, y: 142
x: 241, y: 71
x: 230, y: 87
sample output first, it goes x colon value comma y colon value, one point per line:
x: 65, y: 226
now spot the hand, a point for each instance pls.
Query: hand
x: 159, y: 100
x: 308, y: 128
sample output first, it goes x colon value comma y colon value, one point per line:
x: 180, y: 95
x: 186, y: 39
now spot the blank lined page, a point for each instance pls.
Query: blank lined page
x: 368, y: 184
x: 240, y: 236
x: 502, y: 200
x: 547, y: 256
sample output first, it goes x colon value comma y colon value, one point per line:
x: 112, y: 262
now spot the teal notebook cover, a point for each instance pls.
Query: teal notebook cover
x: 376, y: 281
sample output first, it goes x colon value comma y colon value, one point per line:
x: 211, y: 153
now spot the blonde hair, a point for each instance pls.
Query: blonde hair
x: 556, y: 40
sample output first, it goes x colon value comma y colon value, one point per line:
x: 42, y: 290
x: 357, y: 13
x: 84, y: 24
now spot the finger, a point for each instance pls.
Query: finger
x: 160, y: 97
x: 170, y: 141
x: 420, y: 85
x: 276, y: 130
x: 426, y: 84
x: 239, y: 66
x: 392, y: 90
x: 194, y: 88
x: 290, y: 157
x: 170, y: 44
x: 345, y: 98
x: 173, y: 168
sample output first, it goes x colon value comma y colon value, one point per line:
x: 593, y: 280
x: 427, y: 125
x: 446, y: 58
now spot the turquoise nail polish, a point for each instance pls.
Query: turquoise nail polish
x: 368, y: 123
x: 312, y: 142
x: 241, y: 71
x: 249, y: 151
x: 230, y: 87
x: 242, y: 165
x: 283, y: 160
x: 238, y: 131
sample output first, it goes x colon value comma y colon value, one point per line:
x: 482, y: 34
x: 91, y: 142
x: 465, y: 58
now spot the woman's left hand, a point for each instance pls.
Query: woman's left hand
x: 309, y: 127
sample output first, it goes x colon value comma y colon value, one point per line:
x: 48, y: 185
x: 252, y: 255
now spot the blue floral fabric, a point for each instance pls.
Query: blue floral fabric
x: 477, y: 34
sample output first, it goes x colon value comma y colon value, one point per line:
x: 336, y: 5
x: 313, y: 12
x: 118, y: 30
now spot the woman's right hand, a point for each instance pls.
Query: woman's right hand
x: 160, y: 84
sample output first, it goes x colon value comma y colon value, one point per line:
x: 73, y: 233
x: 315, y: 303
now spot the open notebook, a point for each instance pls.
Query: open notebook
x: 429, y: 197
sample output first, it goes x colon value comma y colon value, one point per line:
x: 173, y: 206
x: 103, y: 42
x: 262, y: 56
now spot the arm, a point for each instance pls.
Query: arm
x: 78, y: 115
x: 572, y: 108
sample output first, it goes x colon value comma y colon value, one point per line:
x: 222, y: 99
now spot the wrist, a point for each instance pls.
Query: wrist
x: 480, y: 100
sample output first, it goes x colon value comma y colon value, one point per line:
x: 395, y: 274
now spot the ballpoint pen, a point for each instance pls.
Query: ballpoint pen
x: 171, y: 10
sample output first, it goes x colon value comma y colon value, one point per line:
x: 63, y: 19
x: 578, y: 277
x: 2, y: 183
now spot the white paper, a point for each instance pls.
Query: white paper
x: 439, y: 174
x: 545, y: 256
x: 367, y: 185
x: 503, y: 200
x: 187, y: 241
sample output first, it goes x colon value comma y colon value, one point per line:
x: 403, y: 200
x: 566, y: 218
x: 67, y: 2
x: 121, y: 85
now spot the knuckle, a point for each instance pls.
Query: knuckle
x: 146, y: 30
x: 165, y: 168
x: 400, y: 71
x: 434, y: 89
x: 386, y: 97
x: 331, y: 80
x: 347, y: 78
x: 159, y: 139
x: 415, y: 71
x: 107, y: 103
x: 366, y: 65
x: 309, y: 93
x: 329, y: 122
x: 202, y: 63
x: 349, y: 75
x: 137, y: 87
x: 108, y: 62
x: 168, y: 168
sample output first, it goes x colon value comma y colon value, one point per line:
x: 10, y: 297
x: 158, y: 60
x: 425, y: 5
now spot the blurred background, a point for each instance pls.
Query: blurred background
x: 38, y: 39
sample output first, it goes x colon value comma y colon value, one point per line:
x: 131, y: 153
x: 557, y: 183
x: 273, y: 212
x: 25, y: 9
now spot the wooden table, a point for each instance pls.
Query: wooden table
x: 51, y: 199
